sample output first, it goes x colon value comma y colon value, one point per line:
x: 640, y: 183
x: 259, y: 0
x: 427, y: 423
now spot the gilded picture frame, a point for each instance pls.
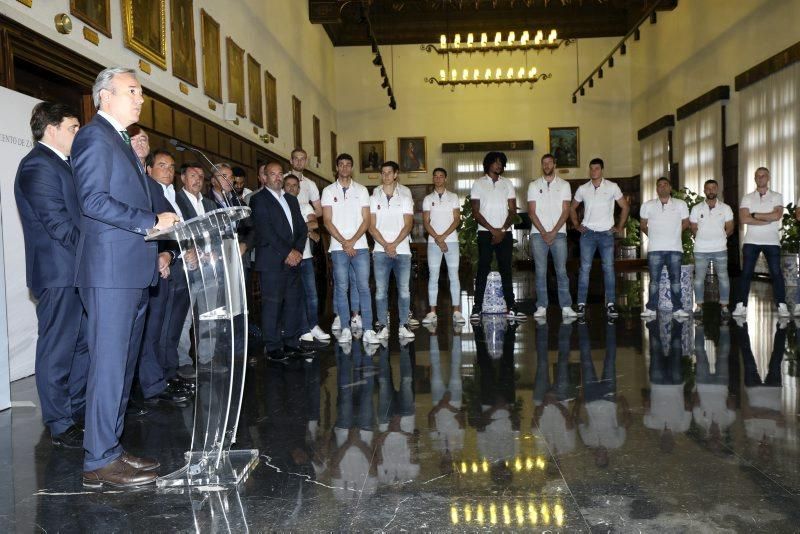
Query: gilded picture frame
x: 212, y: 57
x: 95, y: 13
x: 412, y: 154
x: 565, y: 146
x: 254, y: 91
x: 145, y: 29
x: 235, y: 55
x: 370, y: 156
x: 184, y: 58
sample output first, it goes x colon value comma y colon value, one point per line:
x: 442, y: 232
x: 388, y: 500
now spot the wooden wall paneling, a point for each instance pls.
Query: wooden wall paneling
x: 181, y: 130
x: 247, y: 154
x: 162, y: 118
x: 146, y: 115
x: 236, y: 149
x: 198, y: 132
x: 225, y: 145
x: 212, y: 139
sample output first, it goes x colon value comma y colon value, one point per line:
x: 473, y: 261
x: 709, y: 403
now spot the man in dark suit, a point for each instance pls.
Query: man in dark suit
x: 115, y: 267
x: 50, y: 215
x: 280, y: 236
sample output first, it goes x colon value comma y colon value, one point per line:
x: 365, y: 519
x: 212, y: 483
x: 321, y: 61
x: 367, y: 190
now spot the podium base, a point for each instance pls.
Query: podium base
x: 234, y: 468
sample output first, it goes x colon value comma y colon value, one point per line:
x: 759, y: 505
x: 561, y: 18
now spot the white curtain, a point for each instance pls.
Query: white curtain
x: 655, y: 164
x: 463, y: 168
x: 770, y: 116
x: 699, y: 148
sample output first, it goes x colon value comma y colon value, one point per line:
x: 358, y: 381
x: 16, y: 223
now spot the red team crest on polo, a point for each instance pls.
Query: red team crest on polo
x: 335, y: 199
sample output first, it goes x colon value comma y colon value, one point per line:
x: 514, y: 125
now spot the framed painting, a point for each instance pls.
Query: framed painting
x: 370, y: 155
x: 235, y: 56
x: 564, y: 145
x: 145, y: 29
x: 184, y: 60
x: 271, y: 91
x: 212, y: 77
x: 254, y: 91
x: 95, y: 13
x: 412, y: 153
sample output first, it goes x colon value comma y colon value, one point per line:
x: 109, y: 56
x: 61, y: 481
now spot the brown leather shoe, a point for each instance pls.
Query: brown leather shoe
x: 117, y: 474
x: 142, y: 464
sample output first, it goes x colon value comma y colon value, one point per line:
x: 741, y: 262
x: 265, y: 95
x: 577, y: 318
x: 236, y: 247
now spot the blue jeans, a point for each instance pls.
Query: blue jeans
x: 452, y: 257
x: 720, y: 259
x: 591, y: 241
x: 309, y: 319
x: 401, y: 265
x: 558, y: 249
x: 355, y: 303
x: 656, y: 261
x: 773, y: 255
x: 341, y: 282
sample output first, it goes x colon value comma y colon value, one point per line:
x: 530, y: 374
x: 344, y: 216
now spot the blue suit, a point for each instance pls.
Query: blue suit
x: 281, y: 290
x: 115, y: 267
x: 50, y: 215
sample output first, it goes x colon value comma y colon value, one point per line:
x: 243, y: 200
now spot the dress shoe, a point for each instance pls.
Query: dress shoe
x: 117, y: 474
x: 180, y: 388
x: 277, y: 356
x: 298, y: 352
x: 71, y: 438
x: 169, y: 396
x: 142, y: 464
x: 136, y: 409
x: 182, y: 382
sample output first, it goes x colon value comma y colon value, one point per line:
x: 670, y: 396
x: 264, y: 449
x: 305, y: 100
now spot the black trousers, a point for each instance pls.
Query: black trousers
x: 503, y: 252
x: 282, y: 302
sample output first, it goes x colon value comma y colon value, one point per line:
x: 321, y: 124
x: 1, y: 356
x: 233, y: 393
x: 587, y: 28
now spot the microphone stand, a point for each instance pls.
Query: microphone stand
x: 215, y: 172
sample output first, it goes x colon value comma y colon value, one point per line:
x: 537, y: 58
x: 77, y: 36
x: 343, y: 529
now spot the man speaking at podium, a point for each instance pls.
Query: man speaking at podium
x: 115, y: 266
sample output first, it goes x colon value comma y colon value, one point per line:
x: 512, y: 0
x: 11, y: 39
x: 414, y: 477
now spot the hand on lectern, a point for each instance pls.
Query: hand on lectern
x: 166, y: 220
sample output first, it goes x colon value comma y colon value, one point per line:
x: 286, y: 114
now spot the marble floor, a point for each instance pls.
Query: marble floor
x: 594, y: 426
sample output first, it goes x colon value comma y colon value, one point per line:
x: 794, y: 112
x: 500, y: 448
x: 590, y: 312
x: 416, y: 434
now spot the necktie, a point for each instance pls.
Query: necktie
x: 126, y: 137
x: 69, y: 161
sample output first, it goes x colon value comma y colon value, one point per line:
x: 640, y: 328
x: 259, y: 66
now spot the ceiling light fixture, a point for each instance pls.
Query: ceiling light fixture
x: 509, y: 44
x: 510, y: 76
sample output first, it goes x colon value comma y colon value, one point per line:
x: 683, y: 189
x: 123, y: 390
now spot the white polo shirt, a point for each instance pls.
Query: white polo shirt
x: 494, y: 197
x: 598, y: 204
x: 766, y: 234
x: 309, y: 192
x: 389, y: 214
x: 306, y: 210
x: 400, y: 188
x: 549, y: 198
x: 664, y: 224
x: 710, y: 223
x: 346, y: 211
x: 441, y: 209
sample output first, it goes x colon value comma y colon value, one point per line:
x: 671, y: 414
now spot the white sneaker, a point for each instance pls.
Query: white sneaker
x: 796, y: 311
x: 320, y: 334
x: 459, y: 319
x: 346, y: 346
x: 371, y: 337
x: 430, y: 318
x: 346, y: 336
x: 567, y: 312
x: 337, y: 324
x: 740, y: 311
x: 383, y: 333
x: 355, y: 322
x: 412, y: 322
x: 404, y: 332
x: 783, y: 311
x: 647, y: 313
x: 680, y: 313
x: 541, y: 311
x: 308, y: 337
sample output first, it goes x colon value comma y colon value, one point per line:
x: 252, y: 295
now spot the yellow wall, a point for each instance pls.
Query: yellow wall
x: 276, y: 33
x: 495, y: 113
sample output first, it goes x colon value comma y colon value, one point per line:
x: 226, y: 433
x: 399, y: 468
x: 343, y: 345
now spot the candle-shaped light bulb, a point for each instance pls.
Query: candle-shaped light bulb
x: 511, y: 37
x: 465, y: 75
x: 497, y: 39
x: 498, y: 73
x: 521, y: 73
x: 442, y: 74
x: 532, y: 72
x: 525, y: 37
x: 470, y: 39
x: 443, y: 41
x: 457, y: 40
x: 453, y: 74
x: 510, y: 73
x: 476, y: 74
x: 488, y: 74
x: 484, y: 39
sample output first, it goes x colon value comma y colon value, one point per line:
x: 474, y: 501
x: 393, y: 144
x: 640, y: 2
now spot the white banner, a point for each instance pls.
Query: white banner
x: 18, y: 324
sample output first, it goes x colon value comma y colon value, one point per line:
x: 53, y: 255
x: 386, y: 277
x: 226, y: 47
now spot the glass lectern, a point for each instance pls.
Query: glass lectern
x: 210, y: 250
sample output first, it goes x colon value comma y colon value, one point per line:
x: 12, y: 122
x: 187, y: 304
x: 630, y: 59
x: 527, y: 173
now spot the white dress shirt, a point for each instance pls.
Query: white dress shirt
x: 169, y: 193
x: 279, y: 196
x: 197, y: 202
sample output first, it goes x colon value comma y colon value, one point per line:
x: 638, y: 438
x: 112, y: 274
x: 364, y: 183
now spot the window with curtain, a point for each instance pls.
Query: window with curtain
x: 699, y: 148
x: 655, y: 164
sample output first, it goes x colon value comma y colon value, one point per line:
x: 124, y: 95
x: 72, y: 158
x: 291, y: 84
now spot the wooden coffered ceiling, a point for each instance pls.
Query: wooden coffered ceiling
x: 423, y: 21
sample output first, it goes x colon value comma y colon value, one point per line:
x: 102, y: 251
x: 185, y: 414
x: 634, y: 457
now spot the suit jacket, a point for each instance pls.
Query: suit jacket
x: 117, y: 211
x: 50, y: 214
x: 274, y: 239
x: 161, y: 205
x: 187, y: 209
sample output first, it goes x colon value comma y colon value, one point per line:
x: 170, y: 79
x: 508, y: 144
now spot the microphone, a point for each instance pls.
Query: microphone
x: 180, y: 147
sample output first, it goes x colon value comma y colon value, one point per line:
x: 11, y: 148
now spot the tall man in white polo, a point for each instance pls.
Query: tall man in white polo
x: 597, y: 229
x: 548, y: 207
x: 762, y: 211
x: 494, y: 206
x: 345, y: 211
x: 711, y: 222
x: 663, y: 220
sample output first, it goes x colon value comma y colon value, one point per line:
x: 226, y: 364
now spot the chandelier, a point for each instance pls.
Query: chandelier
x: 499, y: 44
x: 499, y: 76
